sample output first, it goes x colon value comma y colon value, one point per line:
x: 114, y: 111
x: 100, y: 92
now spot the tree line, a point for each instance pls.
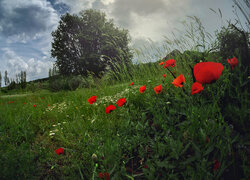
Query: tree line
x: 11, y: 83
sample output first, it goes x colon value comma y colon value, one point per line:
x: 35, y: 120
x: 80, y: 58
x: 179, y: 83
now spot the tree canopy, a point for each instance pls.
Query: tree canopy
x: 89, y: 43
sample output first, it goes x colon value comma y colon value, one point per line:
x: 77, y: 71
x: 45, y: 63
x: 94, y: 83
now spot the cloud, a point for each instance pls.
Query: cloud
x: 77, y: 5
x: 26, y: 18
x: 14, y: 64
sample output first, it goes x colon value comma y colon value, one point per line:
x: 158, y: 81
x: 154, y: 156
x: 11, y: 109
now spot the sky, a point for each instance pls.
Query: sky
x: 26, y: 25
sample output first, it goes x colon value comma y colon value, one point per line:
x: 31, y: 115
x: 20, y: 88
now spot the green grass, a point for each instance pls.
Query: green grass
x: 151, y: 137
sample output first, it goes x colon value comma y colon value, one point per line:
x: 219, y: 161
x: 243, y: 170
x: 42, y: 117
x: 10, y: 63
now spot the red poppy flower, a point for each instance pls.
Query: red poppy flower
x: 34, y: 105
x: 164, y: 75
x: 121, y: 101
x: 100, y: 175
x: 92, y: 99
x: 158, y: 89
x: 106, y: 175
x: 170, y: 63
x: 131, y: 84
x: 179, y: 81
x: 142, y: 89
x: 233, y: 62
x: 161, y: 63
x: 59, y: 151
x: 197, y: 87
x: 11, y: 101
x: 216, y: 165
x: 207, y: 139
x: 109, y: 109
x: 207, y: 72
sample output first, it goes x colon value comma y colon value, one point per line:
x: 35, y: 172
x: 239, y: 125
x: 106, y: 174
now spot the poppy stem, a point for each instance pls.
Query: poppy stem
x: 171, y: 72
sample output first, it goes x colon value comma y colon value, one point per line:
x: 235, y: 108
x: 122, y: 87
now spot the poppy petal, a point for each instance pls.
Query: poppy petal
x: 109, y: 109
x: 197, y: 87
x: 92, y: 99
x: 142, y: 89
x: 179, y: 81
x: 207, y: 72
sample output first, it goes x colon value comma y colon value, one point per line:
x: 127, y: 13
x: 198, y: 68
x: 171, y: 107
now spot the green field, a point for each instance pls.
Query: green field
x: 170, y: 135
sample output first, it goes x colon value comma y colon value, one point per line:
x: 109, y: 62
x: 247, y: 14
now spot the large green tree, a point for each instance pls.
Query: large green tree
x: 88, y: 42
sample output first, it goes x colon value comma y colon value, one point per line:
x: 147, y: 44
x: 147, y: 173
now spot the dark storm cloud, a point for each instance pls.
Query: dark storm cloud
x: 28, y: 19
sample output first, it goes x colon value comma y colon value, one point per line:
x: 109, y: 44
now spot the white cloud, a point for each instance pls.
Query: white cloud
x: 14, y: 64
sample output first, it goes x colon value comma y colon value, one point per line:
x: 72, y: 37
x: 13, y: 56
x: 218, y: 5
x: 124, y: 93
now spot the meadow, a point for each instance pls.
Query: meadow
x: 157, y: 133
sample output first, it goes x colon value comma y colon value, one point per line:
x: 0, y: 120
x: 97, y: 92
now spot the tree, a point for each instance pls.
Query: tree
x: 6, y: 79
x: 23, y: 79
x: 89, y: 43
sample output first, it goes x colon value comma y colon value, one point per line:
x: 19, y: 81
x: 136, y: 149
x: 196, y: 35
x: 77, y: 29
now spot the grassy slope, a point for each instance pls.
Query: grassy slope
x: 152, y: 136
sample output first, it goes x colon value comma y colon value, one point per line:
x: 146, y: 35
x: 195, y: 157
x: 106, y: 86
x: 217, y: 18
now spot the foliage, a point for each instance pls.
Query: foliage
x: 89, y: 43
x: 58, y: 82
x: 232, y: 41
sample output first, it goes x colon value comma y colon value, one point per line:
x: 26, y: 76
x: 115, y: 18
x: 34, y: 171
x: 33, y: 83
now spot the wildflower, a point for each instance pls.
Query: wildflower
x: 34, y: 105
x: 106, y: 175
x: 51, y: 134
x: 131, y: 84
x: 207, y: 139
x: 100, y: 175
x: 92, y: 99
x: 179, y: 81
x: 25, y: 103
x: 196, y: 88
x: 216, y: 165
x: 121, y: 101
x: 207, y: 72
x: 59, y: 151
x: 158, y: 89
x: 170, y: 63
x: 11, y: 101
x: 164, y: 75
x: 142, y: 89
x: 109, y: 109
x: 233, y: 62
x: 161, y: 63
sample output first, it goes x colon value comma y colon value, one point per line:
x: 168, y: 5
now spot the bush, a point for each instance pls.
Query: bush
x: 74, y: 82
x: 12, y: 85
